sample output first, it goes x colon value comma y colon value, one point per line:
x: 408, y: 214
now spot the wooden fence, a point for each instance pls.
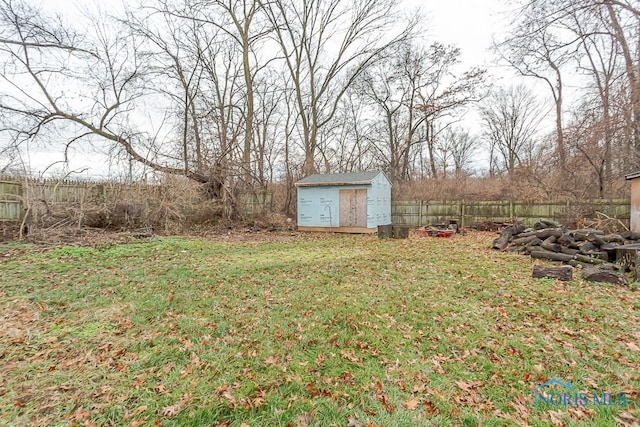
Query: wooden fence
x: 419, y: 213
x: 11, y: 200
x: 16, y: 193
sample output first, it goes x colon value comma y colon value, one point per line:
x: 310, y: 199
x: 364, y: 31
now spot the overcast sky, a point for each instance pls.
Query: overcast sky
x: 470, y: 25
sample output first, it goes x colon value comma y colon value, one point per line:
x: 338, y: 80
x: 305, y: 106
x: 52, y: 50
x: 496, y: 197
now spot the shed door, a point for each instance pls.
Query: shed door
x: 353, y: 208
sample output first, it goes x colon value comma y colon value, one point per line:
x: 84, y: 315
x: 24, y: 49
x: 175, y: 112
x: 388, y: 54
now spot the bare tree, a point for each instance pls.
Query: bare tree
x: 511, y: 119
x: 326, y: 45
x: 240, y: 21
x: 44, y: 58
x: 460, y: 147
x: 412, y: 89
x: 534, y: 50
x: 586, y: 24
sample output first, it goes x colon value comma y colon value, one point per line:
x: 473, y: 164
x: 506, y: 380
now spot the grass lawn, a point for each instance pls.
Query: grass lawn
x: 308, y: 331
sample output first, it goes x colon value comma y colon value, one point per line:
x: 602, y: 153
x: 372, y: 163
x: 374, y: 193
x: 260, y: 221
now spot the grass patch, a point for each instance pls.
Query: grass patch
x: 315, y: 331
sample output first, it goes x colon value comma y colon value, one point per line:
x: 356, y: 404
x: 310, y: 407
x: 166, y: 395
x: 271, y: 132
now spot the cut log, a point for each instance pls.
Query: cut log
x: 533, y: 248
x: 628, y: 257
x: 604, y: 274
x: 586, y: 247
x: 567, y: 240
x: 551, y: 256
x: 630, y: 235
x: 583, y: 233
x: 550, y: 245
x: 578, y: 264
x: 579, y: 236
x: 569, y: 251
x: 528, y: 233
x: 400, y: 232
x: 596, y: 239
x: 516, y: 249
x: 521, y: 229
x: 564, y: 273
x: 612, y: 238
x: 589, y: 231
x: 501, y: 242
x: 548, y: 232
x: 588, y: 259
x: 524, y: 241
x: 550, y: 224
x: 511, y: 229
x: 610, y: 247
x: 385, y: 231
x: 603, y: 255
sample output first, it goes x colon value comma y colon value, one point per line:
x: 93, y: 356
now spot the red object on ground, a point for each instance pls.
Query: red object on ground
x: 445, y: 233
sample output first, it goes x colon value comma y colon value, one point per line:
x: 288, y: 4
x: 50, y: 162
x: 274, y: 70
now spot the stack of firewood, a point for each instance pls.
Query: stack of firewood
x: 582, y: 248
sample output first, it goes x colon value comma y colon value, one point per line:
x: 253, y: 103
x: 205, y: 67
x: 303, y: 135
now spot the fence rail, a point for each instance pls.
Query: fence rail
x: 419, y: 213
x: 16, y: 192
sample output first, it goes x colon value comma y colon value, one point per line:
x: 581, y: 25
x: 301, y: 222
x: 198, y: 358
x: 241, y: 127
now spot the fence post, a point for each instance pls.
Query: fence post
x: 420, y: 214
x: 461, y: 214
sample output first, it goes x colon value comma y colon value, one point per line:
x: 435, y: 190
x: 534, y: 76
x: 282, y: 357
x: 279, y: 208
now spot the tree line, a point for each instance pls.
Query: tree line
x: 243, y: 93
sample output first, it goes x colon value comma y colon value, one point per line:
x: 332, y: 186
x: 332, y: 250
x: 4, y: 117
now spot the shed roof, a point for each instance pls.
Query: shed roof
x: 633, y: 175
x: 334, y: 179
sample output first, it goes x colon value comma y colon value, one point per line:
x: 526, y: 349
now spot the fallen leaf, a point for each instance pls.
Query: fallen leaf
x: 137, y: 411
x: 185, y: 371
x: 347, y: 377
x: 305, y: 419
x: 271, y: 360
x: 171, y: 411
x: 430, y: 407
x: 627, y: 419
x: 412, y: 404
x: 632, y: 346
x: 350, y: 355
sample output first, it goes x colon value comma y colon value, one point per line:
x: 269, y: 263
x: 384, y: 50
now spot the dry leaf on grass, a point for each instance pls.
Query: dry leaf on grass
x: 171, y: 411
x: 412, y: 404
x: 354, y: 423
x: 137, y: 411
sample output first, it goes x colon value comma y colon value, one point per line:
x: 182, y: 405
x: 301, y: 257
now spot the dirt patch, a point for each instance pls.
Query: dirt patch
x: 9, y: 231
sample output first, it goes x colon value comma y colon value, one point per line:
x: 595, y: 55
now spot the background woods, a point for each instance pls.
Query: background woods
x: 240, y: 95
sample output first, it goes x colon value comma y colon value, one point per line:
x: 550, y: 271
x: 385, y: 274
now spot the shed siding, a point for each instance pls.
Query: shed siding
x: 634, y: 218
x: 379, y: 202
x: 319, y: 206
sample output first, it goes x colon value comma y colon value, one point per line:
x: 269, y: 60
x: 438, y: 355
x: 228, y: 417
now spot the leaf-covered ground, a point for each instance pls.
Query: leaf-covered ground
x: 315, y: 331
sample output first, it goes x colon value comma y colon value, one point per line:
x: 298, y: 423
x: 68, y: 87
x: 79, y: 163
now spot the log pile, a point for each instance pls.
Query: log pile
x: 581, y: 248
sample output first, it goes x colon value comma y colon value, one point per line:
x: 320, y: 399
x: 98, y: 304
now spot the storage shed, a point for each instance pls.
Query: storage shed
x: 344, y: 202
x: 634, y: 214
